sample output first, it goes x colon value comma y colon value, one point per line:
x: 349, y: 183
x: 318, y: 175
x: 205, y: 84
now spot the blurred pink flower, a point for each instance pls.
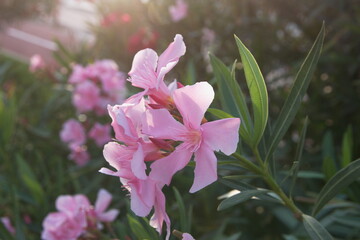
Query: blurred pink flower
x: 102, y: 202
x: 76, y: 215
x: 70, y: 222
x: 142, y: 39
x: 73, y: 133
x: 198, y: 139
x: 36, y: 63
x: 100, y: 134
x: 86, y: 96
x: 7, y: 223
x: 187, y: 236
x: 178, y: 11
x: 79, y: 155
x: 78, y: 74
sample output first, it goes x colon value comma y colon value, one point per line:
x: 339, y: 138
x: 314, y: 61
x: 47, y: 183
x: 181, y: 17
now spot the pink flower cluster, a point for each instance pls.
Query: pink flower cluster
x: 76, y: 216
x: 97, y: 85
x: 37, y: 63
x: 158, y: 131
x: 73, y: 133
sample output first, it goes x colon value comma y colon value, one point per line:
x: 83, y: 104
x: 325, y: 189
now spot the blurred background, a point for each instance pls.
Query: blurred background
x: 36, y: 99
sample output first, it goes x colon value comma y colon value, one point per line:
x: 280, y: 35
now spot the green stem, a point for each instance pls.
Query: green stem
x: 263, y: 171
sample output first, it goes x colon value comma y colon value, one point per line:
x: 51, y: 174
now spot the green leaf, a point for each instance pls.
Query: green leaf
x: 219, y: 113
x: 315, y: 230
x: 232, y: 98
x: 240, y: 197
x: 30, y: 181
x: 137, y: 228
x: 257, y: 89
x: 181, y: 206
x: 298, y: 154
x: 337, y: 184
x: 298, y: 90
x: 347, y: 146
x: 329, y: 162
x: 190, y: 77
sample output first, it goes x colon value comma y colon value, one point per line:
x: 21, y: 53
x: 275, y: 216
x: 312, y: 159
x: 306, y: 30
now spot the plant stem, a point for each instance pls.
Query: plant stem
x: 263, y: 171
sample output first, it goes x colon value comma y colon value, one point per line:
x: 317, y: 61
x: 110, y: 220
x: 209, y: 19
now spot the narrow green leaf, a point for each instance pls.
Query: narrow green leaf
x: 240, y: 197
x: 347, y: 146
x: 298, y: 90
x: 298, y: 154
x: 30, y: 181
x: 231, y: 97
x: 190, y: 77
x: 337, y: 184
x: 182, y: 212
x: 315, y: 229
x: 219, y: 113
x: 329, y: 167
x: 257, y: 89
x: 137, y: 228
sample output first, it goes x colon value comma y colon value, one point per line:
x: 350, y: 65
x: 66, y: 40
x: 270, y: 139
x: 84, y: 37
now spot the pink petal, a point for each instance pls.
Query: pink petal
x: 187, y: 236
x: 160, y: 124
x: 205, y: 169
x: 170, y: 57
x: 66, y: 204
x: 138, y: 165
x: 113, y: 153
x: 162, y: 170
x: 103, y: 200
x: 108, y: 216
x: 160, y: 214
x: 142, y: 73
x: 137, y: 204
x: 222, y: 134
x: 193, y: 101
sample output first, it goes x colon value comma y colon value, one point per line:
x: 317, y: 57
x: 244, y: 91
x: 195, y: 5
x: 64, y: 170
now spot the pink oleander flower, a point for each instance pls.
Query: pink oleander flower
x: 197, y: 137
x: 76, y: 215
x: 100, y: 134
x: 128, y: 161
x: 78, y: 74
x: 178, y: 11
x: 70, y: 220
x: 86, y: 96
x: 187, y: 236
x: 73, y: 133
x: 148, y: 70
x: 36, y: 63
x: 79, y: 155
x: 7, y: 223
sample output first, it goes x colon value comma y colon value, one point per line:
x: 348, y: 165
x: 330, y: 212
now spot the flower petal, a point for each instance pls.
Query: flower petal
x: 138, y: 165
x: 160, y: 214
x: 108, y: 216
x: 142, y: 73
x: 102, y: 201
x: 205, y: 169
x: 160, y: 124
x: 193, y: 101
x: 137, y: 203
x: 170, y: 57
x: 222, y: 134
x: 162, y: 170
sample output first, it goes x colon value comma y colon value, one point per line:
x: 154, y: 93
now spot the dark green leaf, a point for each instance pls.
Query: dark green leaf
x: 137, y: 228
x: 298, y: 154
x: 337, y: 184
x: 328, y: 153
x: 315, y: 230
x: 240, y: 197
x: 347, y: 145
x: 231, y: 97
x: 257, y: 89
x: 298, y: 90
x: 182, y: 211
